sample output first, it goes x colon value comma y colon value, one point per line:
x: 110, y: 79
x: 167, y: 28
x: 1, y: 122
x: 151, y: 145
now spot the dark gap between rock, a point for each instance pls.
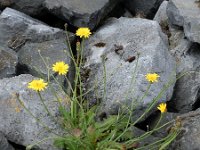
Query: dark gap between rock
x: 196, y: 105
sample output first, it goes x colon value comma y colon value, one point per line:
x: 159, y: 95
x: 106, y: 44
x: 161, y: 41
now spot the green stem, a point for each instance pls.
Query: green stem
x: 105, y: 81
x: 45, y: 107
x: 79, y: 73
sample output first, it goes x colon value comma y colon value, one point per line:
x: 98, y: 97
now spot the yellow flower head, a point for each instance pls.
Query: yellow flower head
x: 162, y: 107
x: 60, y: 67
x: 83, y: 32
x: 152, y: 77
x: 37, y: 85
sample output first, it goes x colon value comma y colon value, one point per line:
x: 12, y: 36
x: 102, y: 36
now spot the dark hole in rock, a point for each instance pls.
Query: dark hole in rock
x: 171, y: 106
x: 149, y: 123
x: 116, y: 12
x: 54, y: 21
x: 100, y: 44
x: 131, y: 59
x: 194, y: 50
x: 21, y: 69
x: 102, y: 116
x: 196, y: 105
x: 17, y: 146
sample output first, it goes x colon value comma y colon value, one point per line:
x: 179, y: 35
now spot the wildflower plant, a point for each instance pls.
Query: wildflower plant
x: 81, y: 129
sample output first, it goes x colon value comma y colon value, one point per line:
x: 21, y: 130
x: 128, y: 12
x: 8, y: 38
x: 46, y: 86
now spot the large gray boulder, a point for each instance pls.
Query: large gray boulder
x: 33, y: 8
x: 146, y: 8
x: 185, y: 13
x: 18, y: 28
x: 81, y: 12
x: 16, y: 123
x: 122, y: 43
x: 28, y: 37
x: 8, y: 62
x: 187, y: 90
x: 186, y: 93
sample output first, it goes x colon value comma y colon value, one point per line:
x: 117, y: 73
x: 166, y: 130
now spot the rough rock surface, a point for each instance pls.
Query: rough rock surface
x: 27, y: 36
x: 147, y: 8
x: 187, y: 90
x: 161, y: 15
x: 18, y: 28
x: 8, y: 62
x: 32, y: 54
x: 29, y: 7
x: 16, y: 123
x: 189, y: 138
x: 186, y: 93
x: 120, y: 47
x: 81, y: 12
x: 162, y: 18
x: 4, y: 145
x: 149, y: 139
x: 186, y: 13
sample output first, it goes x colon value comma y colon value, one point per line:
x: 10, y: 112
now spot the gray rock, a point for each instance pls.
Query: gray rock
x: 16, y: 123
x: 162, y: 19
x: 177, y: 40
x: 187, y: 89
x: 167, y: 121
x: 161, y: 15
x: 189, y: 138
x: 147, y: 8
x: 32, y: 54
x: 18, y: 28
x: 8, y: 62
x: 81, y: 12
x: 26, y: 36
x: 120, y: 46
x: 185, y: 13
x: 186, y: 93
x: 145, y: 141
x: 29, y: 7
x: 4, y: 145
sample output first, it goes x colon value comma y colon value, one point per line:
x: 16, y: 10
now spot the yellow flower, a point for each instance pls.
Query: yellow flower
x: 83, y: 32
x: 60, y: 67
x: 152, y: 77
x: 162, y: 107
x: 37, y: 85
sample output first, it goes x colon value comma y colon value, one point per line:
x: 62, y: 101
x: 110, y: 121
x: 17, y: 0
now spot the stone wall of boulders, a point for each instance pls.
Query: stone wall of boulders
x: 130, y: 37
